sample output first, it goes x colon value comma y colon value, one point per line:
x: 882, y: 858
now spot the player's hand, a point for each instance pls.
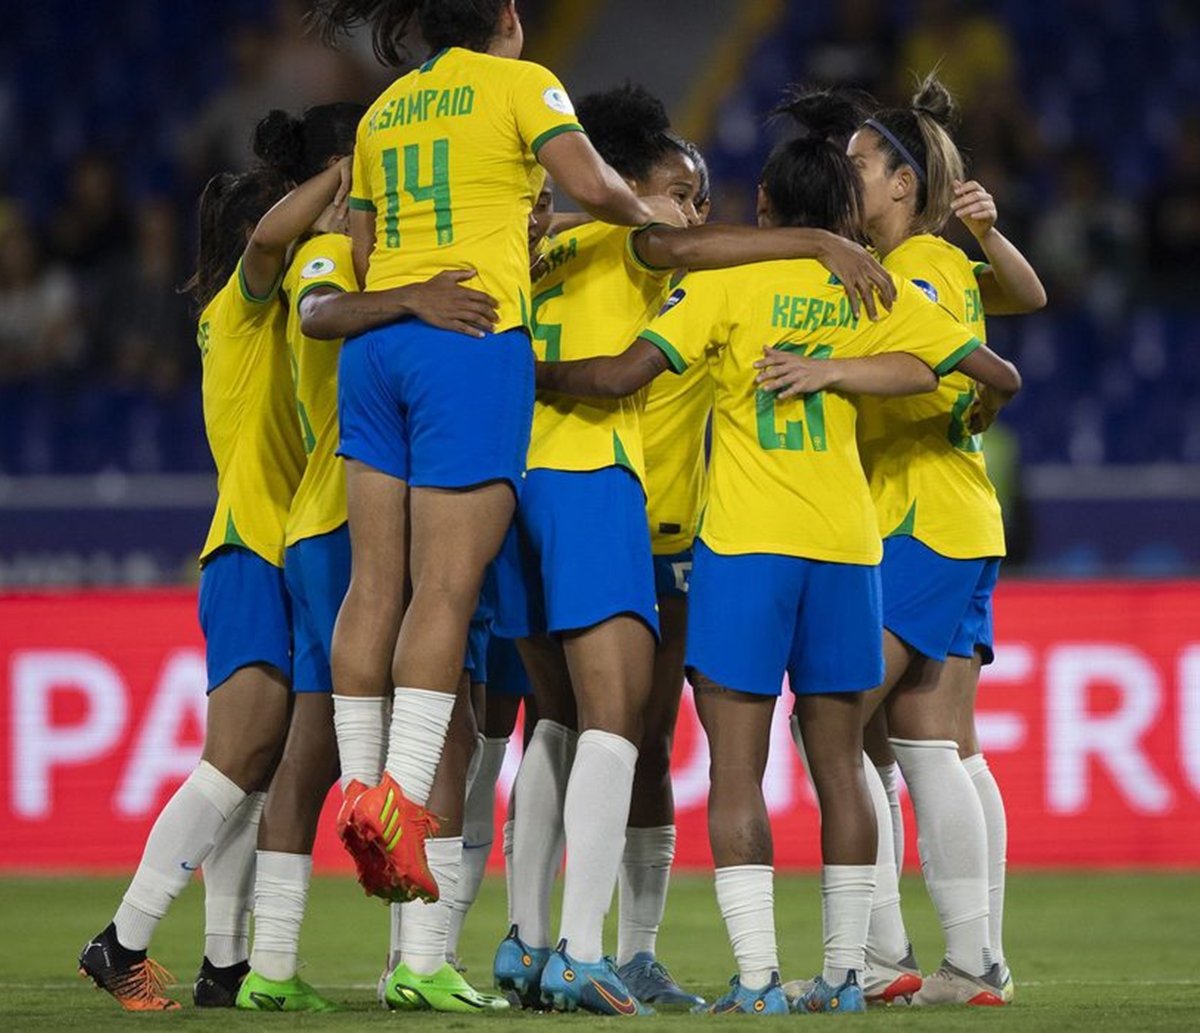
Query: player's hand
x: 665, y: 210
x: 975, y: 207
x: 861, y: 275
x: 790, y: 375
x: 443, y: 302
x: 341, y: 199
x: 984, y: 409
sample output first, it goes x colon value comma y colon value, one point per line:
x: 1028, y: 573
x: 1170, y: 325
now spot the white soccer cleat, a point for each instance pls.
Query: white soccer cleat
x: 950, y: 985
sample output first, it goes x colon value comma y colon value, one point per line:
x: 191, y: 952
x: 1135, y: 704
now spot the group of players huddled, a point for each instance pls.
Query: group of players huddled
x: 736, y: 452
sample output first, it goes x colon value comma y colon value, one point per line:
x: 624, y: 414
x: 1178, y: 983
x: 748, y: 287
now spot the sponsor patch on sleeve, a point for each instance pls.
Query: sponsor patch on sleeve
x: 317, y: 267
x: 676, y: 296
x: 557, y: 100
x: 927, y: 288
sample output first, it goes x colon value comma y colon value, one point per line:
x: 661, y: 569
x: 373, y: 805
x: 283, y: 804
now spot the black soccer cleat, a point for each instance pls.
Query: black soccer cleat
x: 130, y: 976
x: 218, y: 987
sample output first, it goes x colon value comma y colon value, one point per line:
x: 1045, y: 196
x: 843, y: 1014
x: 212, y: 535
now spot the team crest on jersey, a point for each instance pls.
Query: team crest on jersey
x: 677, y: 295
x: 928, y: 289
x: 317, y: 267
x: 557, y: 100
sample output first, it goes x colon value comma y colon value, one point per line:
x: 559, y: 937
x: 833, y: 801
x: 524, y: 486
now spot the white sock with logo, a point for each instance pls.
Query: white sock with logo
x: 420, y: 718
x: 280, y: 896
x: 996, y: 823
x: 645, y: 875
x: 359, y: 723
x: 594, y: 817
x: 539, y: 795
x: 479, y: 830
x: 889, y: 775
x: 952, y: 841
x: 887, y: 938
x: 746, y: 897
x: 183, y: 834
x: 507, y: 847
x: 846, y: 892
x: 229, y: 885
x: 423, y: 926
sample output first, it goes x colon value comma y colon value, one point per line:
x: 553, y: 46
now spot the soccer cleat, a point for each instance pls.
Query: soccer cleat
x: 650, y: 982
x: 822, y: 997
x: 1007, y: 989
x: 134, y: 980
x: 445, y: 991
x: 385, y: 833
x: 882, y: 982
x: 769, y: 1000
x: 218, y: 987
x: 568, y: 985
x: 517, y: 970
x: 259, y: 994
x: 950, y: 985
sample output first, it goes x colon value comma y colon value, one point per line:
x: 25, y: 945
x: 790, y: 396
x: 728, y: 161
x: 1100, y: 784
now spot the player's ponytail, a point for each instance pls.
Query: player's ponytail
x: 230, y: 207
x: 809, y: 180
x: 279, y: 144
x: 443, y: 23
x: 629, y: 128
x: 919, y: 136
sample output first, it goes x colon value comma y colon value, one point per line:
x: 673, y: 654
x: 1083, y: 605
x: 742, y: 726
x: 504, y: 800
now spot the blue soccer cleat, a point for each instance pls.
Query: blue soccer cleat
x: 517, y: 970
x: 569, y: 985
x: 650, y: 982
x: 823, y: 997
x: 769, y: 1000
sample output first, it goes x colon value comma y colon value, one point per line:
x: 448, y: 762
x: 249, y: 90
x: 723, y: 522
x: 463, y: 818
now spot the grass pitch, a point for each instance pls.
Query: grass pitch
x: 1089, y: 952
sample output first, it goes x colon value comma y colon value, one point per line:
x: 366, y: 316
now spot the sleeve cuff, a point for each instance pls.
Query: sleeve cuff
x: 979, y: 268
x: 952, y: 360
x: 542, y: 138
x: 361, y: 204
x: 310, y: 287
x: 249, y: 295
x: 676, y: 360
x: 637, y: 260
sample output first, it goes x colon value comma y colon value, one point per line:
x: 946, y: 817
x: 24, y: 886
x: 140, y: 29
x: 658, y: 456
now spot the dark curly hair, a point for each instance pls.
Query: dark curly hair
x: 629, y: 126
x: 299, y: 148
x: 443, y: 23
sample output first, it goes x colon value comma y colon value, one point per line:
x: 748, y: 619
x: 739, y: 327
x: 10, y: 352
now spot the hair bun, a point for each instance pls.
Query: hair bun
x: 828, y: 114
x: 279, y: 143
x: 933, y: 99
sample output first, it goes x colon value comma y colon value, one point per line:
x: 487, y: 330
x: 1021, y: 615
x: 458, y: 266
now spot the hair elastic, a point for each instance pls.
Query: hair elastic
x: 891, y: 138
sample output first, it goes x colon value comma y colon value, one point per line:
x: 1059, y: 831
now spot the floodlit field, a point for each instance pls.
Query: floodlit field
x: 1089, y: 952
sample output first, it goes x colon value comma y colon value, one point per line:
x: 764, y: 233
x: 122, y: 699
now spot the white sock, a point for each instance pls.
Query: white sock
x: 229, y: 885
x: 359, y: 723
x: 395, y: 921
x: 539, y: 794
x: 886, y: 936
x: 594, y: 817
x: 420, y: 718
x: 182, y: 836
x: 746, y: 897
x: 996, y: 823
x: 645, y: 873
x: 280, y: 894
x: 423, y: 926
x: 474, y: 762
x: 479, y: 829
x: 952, y: 841
x: 889, y: 775
x: 846, y: 891
x: 506, y: 845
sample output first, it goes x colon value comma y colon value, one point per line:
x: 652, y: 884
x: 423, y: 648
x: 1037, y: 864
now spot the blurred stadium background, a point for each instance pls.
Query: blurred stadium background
x: 1081, y: 116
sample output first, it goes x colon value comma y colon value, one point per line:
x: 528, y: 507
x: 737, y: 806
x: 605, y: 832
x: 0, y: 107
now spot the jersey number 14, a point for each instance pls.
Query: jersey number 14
x: 437, y: 189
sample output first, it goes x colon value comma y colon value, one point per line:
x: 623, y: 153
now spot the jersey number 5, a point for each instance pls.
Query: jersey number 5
x: 436, y: 190
x: 791, y: 437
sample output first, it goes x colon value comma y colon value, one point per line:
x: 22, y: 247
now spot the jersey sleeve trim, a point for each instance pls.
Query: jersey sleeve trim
x: 676, y: 360
x: 952, y: 360
x: 637, y: 259
x: 979, y: 268
x: 542, y: 139
x: 310, y: 287
x: 248, y: 294
x: 361, y: 204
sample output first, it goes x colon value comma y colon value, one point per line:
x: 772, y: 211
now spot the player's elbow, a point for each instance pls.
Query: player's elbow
x: 317, y: 319
x: 1008, y: 379
x: 1036, y: 297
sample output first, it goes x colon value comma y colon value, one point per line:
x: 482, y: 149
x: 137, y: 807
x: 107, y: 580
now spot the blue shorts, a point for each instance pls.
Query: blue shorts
x: 939, y: 606
x: 245, y: 615
x: 506, y: 672
x: 479, y: 634
x: 318, y: 573
x: 577, y: 554
x: 753, y: 617
x: 672, y: 573
x: 435, y: 408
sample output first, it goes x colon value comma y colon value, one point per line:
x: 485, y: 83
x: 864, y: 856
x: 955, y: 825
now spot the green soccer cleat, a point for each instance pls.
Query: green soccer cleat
x: 259, y: 994
x: 445, y: 990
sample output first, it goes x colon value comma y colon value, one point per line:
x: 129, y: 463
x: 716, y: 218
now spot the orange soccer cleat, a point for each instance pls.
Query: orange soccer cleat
x: 134, y: 980
x: 385, y: 833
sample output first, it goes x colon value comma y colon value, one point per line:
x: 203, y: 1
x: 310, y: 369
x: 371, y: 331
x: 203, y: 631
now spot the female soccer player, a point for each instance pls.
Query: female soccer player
x: 442, y: 181
x: 786, y: 571
x: 944, y: 535
x: 244, y: 611
x: 576, y: 578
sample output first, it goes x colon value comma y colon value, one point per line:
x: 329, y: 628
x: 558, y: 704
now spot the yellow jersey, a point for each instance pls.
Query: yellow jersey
x: 927, y: 473
x: 785, y: 477
x: 592, y: 300
x: 445, y: 159
x: 250, y: 419
x: 319, y: 505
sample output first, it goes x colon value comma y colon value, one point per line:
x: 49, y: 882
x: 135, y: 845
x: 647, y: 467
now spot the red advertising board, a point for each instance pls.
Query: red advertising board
x: 1090, y: 719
